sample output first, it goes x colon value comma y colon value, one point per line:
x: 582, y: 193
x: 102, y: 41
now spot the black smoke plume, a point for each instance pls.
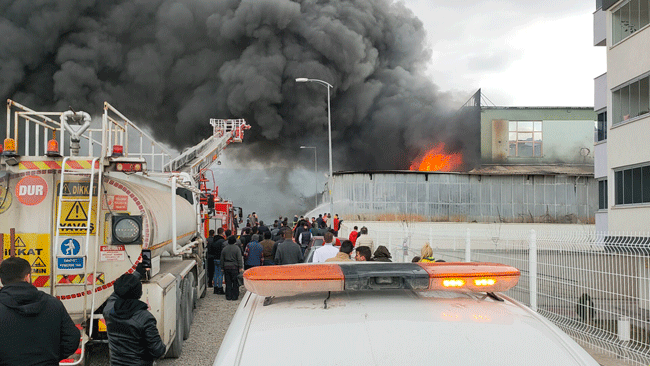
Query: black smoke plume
x: 173, y: 64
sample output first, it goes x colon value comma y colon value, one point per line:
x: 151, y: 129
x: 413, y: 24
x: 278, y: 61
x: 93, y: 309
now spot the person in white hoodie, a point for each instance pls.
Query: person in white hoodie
x: 364, y: 240
x: 327, y: 251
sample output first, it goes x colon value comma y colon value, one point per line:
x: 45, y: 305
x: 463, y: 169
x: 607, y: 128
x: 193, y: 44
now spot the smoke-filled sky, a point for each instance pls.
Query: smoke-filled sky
x: 175, y: 64
x: 397, y: 77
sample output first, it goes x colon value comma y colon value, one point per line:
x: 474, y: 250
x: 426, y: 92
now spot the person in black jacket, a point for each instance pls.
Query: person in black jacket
x: 210, y: 256
x: 232, y: 263
x: 133, y: 337
x: 35, y: 328
x: 214, y: 251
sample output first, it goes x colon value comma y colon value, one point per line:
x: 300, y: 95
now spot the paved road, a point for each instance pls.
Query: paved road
x: 211, y: 320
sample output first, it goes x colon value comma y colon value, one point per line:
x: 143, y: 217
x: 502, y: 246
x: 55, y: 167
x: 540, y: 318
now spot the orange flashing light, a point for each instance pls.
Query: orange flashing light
x: 52, y: 148
x: 9, y: 147
x: 453, y: 283
x: 481, y: 277
x: 485, y: 282
x: 304, y: 278
x: 294, y: 279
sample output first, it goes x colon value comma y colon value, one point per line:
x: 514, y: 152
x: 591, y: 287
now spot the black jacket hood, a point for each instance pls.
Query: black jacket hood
x: 23, y: 298
x: 125, y: 308
x: 382, y: 254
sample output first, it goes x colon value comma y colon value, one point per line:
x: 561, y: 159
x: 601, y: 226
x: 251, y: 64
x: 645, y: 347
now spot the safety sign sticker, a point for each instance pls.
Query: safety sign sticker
x: 34, y: 248
x: 5, y: 199
x: 113, y: 253
x: 70, y: 263
x: 31, y: 190
x: 116, y: 202
x: 81, y: 189
x: 70, y: 247
x: 74, y: 217
x: 74, y: 210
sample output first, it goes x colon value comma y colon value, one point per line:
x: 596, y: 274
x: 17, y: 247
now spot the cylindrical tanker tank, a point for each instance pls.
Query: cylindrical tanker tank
x: 153, y: 202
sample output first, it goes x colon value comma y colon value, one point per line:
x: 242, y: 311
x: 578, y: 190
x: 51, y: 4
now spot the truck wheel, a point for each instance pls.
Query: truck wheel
x: 195, y: 295
x: 186, y: 307
x: 176, y: 348
x: 205, y: 287
x: 195, y: 291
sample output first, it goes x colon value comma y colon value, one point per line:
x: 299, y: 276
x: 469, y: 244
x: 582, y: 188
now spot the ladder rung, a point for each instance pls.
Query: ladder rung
x: 77, y: 172
x: 59, y: 227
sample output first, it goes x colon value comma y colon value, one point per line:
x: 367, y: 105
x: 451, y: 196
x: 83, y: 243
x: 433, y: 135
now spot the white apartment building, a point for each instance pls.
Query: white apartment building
x: 622, y: 102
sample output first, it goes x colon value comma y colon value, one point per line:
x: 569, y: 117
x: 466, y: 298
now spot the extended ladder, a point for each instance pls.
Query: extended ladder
x: 200, y: 156
x: 70, y: 247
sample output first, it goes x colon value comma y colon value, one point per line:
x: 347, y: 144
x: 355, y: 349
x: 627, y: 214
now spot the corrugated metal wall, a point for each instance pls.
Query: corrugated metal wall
x: 465, y: 198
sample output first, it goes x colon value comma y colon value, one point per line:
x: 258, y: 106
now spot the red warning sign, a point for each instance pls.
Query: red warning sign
x: 31, y: 190
x: 120, y: 203
x: 116, y: 202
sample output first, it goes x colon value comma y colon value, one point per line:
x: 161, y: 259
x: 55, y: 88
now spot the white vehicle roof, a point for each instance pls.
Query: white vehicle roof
x: 394, y: 327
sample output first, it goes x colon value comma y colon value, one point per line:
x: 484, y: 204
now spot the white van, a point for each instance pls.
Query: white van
x: 390, y: 314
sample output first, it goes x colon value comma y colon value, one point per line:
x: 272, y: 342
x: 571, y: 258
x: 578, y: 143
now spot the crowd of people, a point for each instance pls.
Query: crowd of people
x: 130, y: 325
x: 283, y: 242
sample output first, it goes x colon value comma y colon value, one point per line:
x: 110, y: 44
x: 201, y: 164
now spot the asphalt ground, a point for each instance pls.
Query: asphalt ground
x: 211, y: 320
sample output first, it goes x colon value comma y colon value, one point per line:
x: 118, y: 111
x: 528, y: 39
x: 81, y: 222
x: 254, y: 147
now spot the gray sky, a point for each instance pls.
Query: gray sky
x: 521, y: 53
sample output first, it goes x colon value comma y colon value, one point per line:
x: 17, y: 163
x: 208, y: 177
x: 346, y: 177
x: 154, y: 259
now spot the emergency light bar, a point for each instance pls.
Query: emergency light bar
x: 295, y: 279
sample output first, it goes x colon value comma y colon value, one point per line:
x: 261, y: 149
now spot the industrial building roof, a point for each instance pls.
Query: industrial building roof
x: 547, y: 169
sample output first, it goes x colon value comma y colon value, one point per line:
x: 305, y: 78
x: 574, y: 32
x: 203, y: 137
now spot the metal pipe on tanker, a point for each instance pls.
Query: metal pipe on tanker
x: 197, y: 208
x: 175, y: 248
x: 173, y: 192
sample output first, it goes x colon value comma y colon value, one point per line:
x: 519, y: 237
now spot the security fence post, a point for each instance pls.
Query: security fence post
x: 468, y: 246
x: 532, y: 269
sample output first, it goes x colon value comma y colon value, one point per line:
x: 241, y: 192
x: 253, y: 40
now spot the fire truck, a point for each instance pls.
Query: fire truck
x: 225, y: 215
x: 222, y: 213
x: 86, y: 201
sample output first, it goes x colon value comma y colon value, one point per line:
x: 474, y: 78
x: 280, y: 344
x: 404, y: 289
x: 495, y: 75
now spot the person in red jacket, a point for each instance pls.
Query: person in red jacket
x: 337, y: 225
x: 354, y: 234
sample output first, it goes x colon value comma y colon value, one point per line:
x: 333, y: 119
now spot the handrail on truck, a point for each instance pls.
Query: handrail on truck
x: 115, y: 129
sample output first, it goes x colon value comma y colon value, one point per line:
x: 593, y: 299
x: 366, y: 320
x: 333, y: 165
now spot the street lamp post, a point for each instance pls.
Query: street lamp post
x: 315, y: 172
x: 329, y: 128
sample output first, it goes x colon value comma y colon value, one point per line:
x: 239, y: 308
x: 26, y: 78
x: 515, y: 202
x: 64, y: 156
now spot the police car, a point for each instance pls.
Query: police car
x: 390, y: 314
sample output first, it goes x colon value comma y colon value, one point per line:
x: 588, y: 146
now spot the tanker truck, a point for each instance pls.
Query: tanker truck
x: 86, y: 201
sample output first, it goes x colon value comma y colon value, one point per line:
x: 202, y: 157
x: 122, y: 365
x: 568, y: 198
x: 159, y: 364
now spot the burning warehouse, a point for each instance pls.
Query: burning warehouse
x: 517, y: 165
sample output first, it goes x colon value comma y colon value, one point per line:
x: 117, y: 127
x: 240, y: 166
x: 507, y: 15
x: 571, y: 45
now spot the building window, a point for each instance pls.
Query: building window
x: 602, y: 194
x: 632, y: 185
x: 601, y: 127
x: 525, y: 139
x: 629, y: 18
x: 631, y: 100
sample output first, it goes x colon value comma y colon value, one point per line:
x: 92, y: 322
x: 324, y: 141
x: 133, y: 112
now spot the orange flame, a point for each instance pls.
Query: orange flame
x: 436, y: 160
